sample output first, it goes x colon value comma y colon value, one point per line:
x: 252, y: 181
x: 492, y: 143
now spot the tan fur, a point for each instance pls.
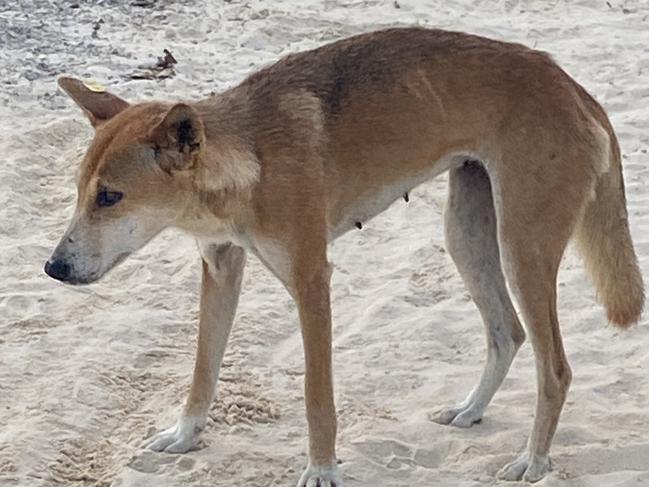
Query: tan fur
x: 603, y: 236
x: 302, y: 150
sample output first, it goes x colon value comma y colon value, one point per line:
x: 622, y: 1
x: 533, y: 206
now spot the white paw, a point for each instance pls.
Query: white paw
x: 461, y: 416
x: 179, y: 438
x: 315, y: 476
x: 525, y: 469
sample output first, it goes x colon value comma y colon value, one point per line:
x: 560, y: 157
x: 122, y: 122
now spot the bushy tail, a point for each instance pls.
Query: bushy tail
x: 605, y: 242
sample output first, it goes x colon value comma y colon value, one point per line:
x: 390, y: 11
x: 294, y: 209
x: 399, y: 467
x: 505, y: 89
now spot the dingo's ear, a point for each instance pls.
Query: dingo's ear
x: 96, y: 103
x: 178, y: 138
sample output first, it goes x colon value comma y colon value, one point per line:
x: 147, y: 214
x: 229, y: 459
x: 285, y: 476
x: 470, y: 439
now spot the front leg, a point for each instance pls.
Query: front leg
x: 312, y: 296
x: 306, y: 273
x: 220, y: 288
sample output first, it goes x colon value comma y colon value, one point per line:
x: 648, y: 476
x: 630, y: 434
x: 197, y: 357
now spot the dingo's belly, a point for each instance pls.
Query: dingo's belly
x: 352, y: 201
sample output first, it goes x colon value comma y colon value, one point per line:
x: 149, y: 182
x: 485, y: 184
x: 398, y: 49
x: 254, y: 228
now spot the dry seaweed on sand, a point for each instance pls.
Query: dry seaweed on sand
x: 163, y: 68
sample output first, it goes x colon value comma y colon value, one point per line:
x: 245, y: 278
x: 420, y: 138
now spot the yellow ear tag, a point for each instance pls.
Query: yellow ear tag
x: 92, y: 85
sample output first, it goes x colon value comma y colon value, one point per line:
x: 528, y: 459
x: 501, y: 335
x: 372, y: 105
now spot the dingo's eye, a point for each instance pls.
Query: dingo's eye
x: 108, y: 198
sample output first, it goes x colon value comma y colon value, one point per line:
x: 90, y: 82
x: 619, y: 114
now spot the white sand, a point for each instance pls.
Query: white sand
x: 87, y: 373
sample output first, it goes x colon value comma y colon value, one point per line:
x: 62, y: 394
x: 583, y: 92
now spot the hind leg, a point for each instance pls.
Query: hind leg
x: 472, y: 242
x: 537, y: 212
x: 532, y: 273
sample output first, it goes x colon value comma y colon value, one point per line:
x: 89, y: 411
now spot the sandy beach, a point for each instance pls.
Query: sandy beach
x: 88, y: 373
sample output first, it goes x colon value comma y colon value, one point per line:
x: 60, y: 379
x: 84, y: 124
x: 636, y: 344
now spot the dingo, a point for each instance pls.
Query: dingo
x: 321, y: 141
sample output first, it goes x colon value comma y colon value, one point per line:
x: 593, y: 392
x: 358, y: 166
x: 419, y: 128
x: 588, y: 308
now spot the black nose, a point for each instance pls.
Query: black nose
x: 57, y: 269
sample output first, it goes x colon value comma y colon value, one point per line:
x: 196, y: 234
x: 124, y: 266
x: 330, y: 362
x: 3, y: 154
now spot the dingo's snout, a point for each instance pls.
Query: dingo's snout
x: 58, y: 269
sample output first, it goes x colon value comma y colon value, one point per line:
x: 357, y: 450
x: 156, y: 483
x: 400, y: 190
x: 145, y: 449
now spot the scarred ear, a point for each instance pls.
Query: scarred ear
x: 178, y: 138
x: 98, y: 105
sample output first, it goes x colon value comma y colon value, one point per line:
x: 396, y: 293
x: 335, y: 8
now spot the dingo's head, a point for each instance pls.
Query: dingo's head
x: 133, y: 181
